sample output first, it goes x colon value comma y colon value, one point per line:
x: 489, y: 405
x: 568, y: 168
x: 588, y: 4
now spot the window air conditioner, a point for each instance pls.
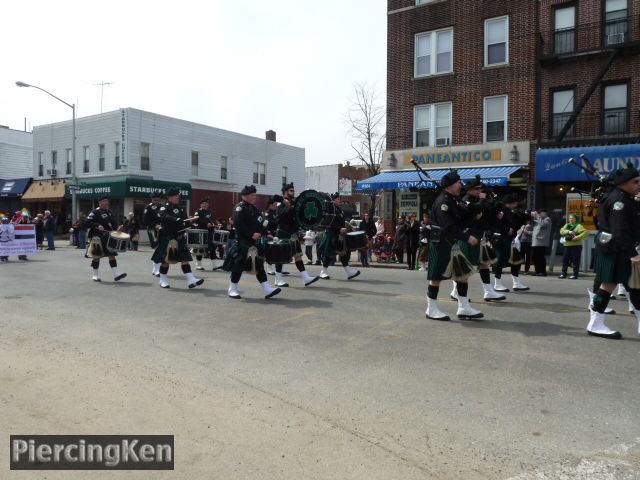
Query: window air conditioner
x: 52, y: 172
x: 442, y: 142
x: 613, y: 38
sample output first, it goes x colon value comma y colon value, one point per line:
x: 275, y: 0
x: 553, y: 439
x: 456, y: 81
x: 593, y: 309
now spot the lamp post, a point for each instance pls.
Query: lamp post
x: 74, y: 181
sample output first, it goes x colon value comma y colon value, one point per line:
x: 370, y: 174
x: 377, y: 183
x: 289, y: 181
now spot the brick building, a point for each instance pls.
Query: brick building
x: 589, y: 91
x: 460, y: 94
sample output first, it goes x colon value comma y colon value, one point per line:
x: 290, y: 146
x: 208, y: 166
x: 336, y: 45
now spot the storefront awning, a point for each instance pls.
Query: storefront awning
x: 122, y: 187
x: 45, y: 191
x: 552, y: 164
x: 413, y: 179
x: 13, y: 188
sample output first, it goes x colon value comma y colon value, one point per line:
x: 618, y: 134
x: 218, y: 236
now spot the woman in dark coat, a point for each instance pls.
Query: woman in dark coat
x: 412, y: 241
x: 400, y: 240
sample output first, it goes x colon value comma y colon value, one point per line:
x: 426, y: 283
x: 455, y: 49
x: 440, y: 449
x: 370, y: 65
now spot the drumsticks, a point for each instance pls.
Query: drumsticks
x: 191, y: 219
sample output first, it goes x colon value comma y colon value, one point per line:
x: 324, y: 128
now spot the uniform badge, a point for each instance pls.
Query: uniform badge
x: 161, y: 208
x: 238, y: 209
x: 618, y: 206
x: 260, y: 218
x: 444, y: 207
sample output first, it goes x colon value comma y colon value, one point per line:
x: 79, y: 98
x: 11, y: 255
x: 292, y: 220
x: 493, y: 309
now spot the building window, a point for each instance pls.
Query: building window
x: 194, y: 164
x: 101, y: 157
x: 496, y: 41
x: 145, y: 162
x: 433, y: 53
x: 565, y: 29
x: 284, y: 175
x: 40, y: 164
x: 616, y: 25
x: 69, y: 162
x: 432, y: 125
x: 495, y: 119
x: 562, y: 110
x: 54, y: 160
x: 420, y: 2
x: 616, y: 111
x: 223, y: 167
x: 259, y: 173
x: 117, y: 156
x: 85, y: 166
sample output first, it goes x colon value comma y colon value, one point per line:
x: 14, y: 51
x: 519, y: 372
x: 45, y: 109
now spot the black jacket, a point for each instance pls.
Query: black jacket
x: 172, y: 220
x: 98, y: 217
x: 248, y: 220
x: 446, y: 214
x: 151, y: 215
x: 620, y: 216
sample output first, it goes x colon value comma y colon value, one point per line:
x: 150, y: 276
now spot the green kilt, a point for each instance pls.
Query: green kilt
x: 471, y: 252
x: 104, y: 237
x: 153, y: 237
x: 439, y: 256
x: 612, y: 267
x: 160, y: 252
x: 236, y: 258
x: 293, y: 238
x: 327, y: 248
x: 503, y: 252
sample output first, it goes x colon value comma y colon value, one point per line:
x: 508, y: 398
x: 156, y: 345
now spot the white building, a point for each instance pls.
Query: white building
x: 16, y: 167
x: 128, y: 152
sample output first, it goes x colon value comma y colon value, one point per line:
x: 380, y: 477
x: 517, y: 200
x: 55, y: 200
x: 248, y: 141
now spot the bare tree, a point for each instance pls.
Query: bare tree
x: 366, y: 120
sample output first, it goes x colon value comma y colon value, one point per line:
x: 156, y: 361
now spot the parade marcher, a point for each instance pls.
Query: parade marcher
x: 287, y: 230
x: 476, y: 202
x: 151, y: 218
x: 333, y: 243
x: 206, y: 221
x: 616, y: 252
x: 270, y: 216
x: 447, y: 229
x: 250, y: 231
x: 172, y: 244
x: 509, y: 221
x: 98, y: 224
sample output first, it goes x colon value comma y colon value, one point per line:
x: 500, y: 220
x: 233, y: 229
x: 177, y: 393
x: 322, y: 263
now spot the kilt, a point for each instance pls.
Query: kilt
x: 503, y: 252
x: 104, y: 237
x: 327, y: 246
x: 614, y: 267
x: 160, y: 252
x: 153, y: 237
x: 472, y: 253
x: 439, y: 256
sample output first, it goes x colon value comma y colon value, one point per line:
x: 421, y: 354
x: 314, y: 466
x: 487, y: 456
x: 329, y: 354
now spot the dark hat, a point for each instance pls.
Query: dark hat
x: 103, y: 197
x: 335, y: 195
x: 248, y: 189
x: 287, y: 186
x: 476, y: 182
x: 274, y: 199
x: 623, y: 175
x: 511, y: 198
x: 540, y: 210
x: 156, y: 194
x: 173, y: 191
x: 205, y: 199
x: 449, y: 179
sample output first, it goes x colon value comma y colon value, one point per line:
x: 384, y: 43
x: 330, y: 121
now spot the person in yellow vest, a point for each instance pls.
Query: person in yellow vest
x: 572, y: 235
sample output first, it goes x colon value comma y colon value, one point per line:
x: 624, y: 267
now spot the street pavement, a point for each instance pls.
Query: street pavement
x: 340, y: 380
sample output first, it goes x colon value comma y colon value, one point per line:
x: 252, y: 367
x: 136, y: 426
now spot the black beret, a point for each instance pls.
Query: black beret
x: 103, y: 197
x: 450, y: 178
x: 623, y: 175
x: 511, y: 198
x: 248, y: 189
x: 274, y: 199
x: 287, y: 186
x: 335, y: 195
x: 155, y: 194
x: 205, y: 199
x: 173, y: 191
x: 476, y: 182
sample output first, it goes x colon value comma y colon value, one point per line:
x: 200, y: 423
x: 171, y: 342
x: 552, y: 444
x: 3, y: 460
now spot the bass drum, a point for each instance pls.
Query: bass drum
x: 314, y: 210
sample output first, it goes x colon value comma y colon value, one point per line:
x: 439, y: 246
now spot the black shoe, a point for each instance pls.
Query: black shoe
x: 446, y: 318
x: 199, y: 282
x: 120, y: 277
x: 313, y: 280
x: 273, y: 294
x: 611, y: 336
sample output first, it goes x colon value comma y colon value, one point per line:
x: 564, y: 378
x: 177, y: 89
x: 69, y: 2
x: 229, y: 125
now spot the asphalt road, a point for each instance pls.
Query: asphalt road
x: 340, y: 380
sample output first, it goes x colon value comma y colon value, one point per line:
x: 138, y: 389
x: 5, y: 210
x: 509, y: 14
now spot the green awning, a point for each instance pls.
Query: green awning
x: 123, y: 187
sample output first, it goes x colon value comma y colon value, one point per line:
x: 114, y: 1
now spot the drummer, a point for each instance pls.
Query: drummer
x: 99, y: 223
x: 287, y: 230
x: 151, y: 219
x: 333, y: 242
x: 206, y: 221
x: 172, y: 244
x: 272, y: 224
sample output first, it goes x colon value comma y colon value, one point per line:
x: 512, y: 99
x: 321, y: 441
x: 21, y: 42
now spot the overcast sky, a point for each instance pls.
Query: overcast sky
x: 241, y: 65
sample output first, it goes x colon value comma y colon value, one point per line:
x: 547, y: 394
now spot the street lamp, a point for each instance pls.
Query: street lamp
x: 74, y: 181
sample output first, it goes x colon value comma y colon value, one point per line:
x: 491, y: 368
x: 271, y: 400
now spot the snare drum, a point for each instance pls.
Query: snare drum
x: 220, y: 237
x: 278, y: 252
x: 197, y: 238
x: 314, y: 210
x: 117, y: 241
x: 356, y: 240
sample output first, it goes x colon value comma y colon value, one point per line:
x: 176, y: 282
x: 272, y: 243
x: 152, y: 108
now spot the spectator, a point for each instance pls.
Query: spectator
x: 423, y: 254
x: 130, y: 226
x: 572, y: 235
x: 49, y: 229
x: 412, y: 241
x: 369, y: 228
x: 540, y: 241
x: 525, y: 234
x: 309, y: 242
x: 39, y: 233
x: 82, y: 232
x: 399, y: 243
x: 380, y: 227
